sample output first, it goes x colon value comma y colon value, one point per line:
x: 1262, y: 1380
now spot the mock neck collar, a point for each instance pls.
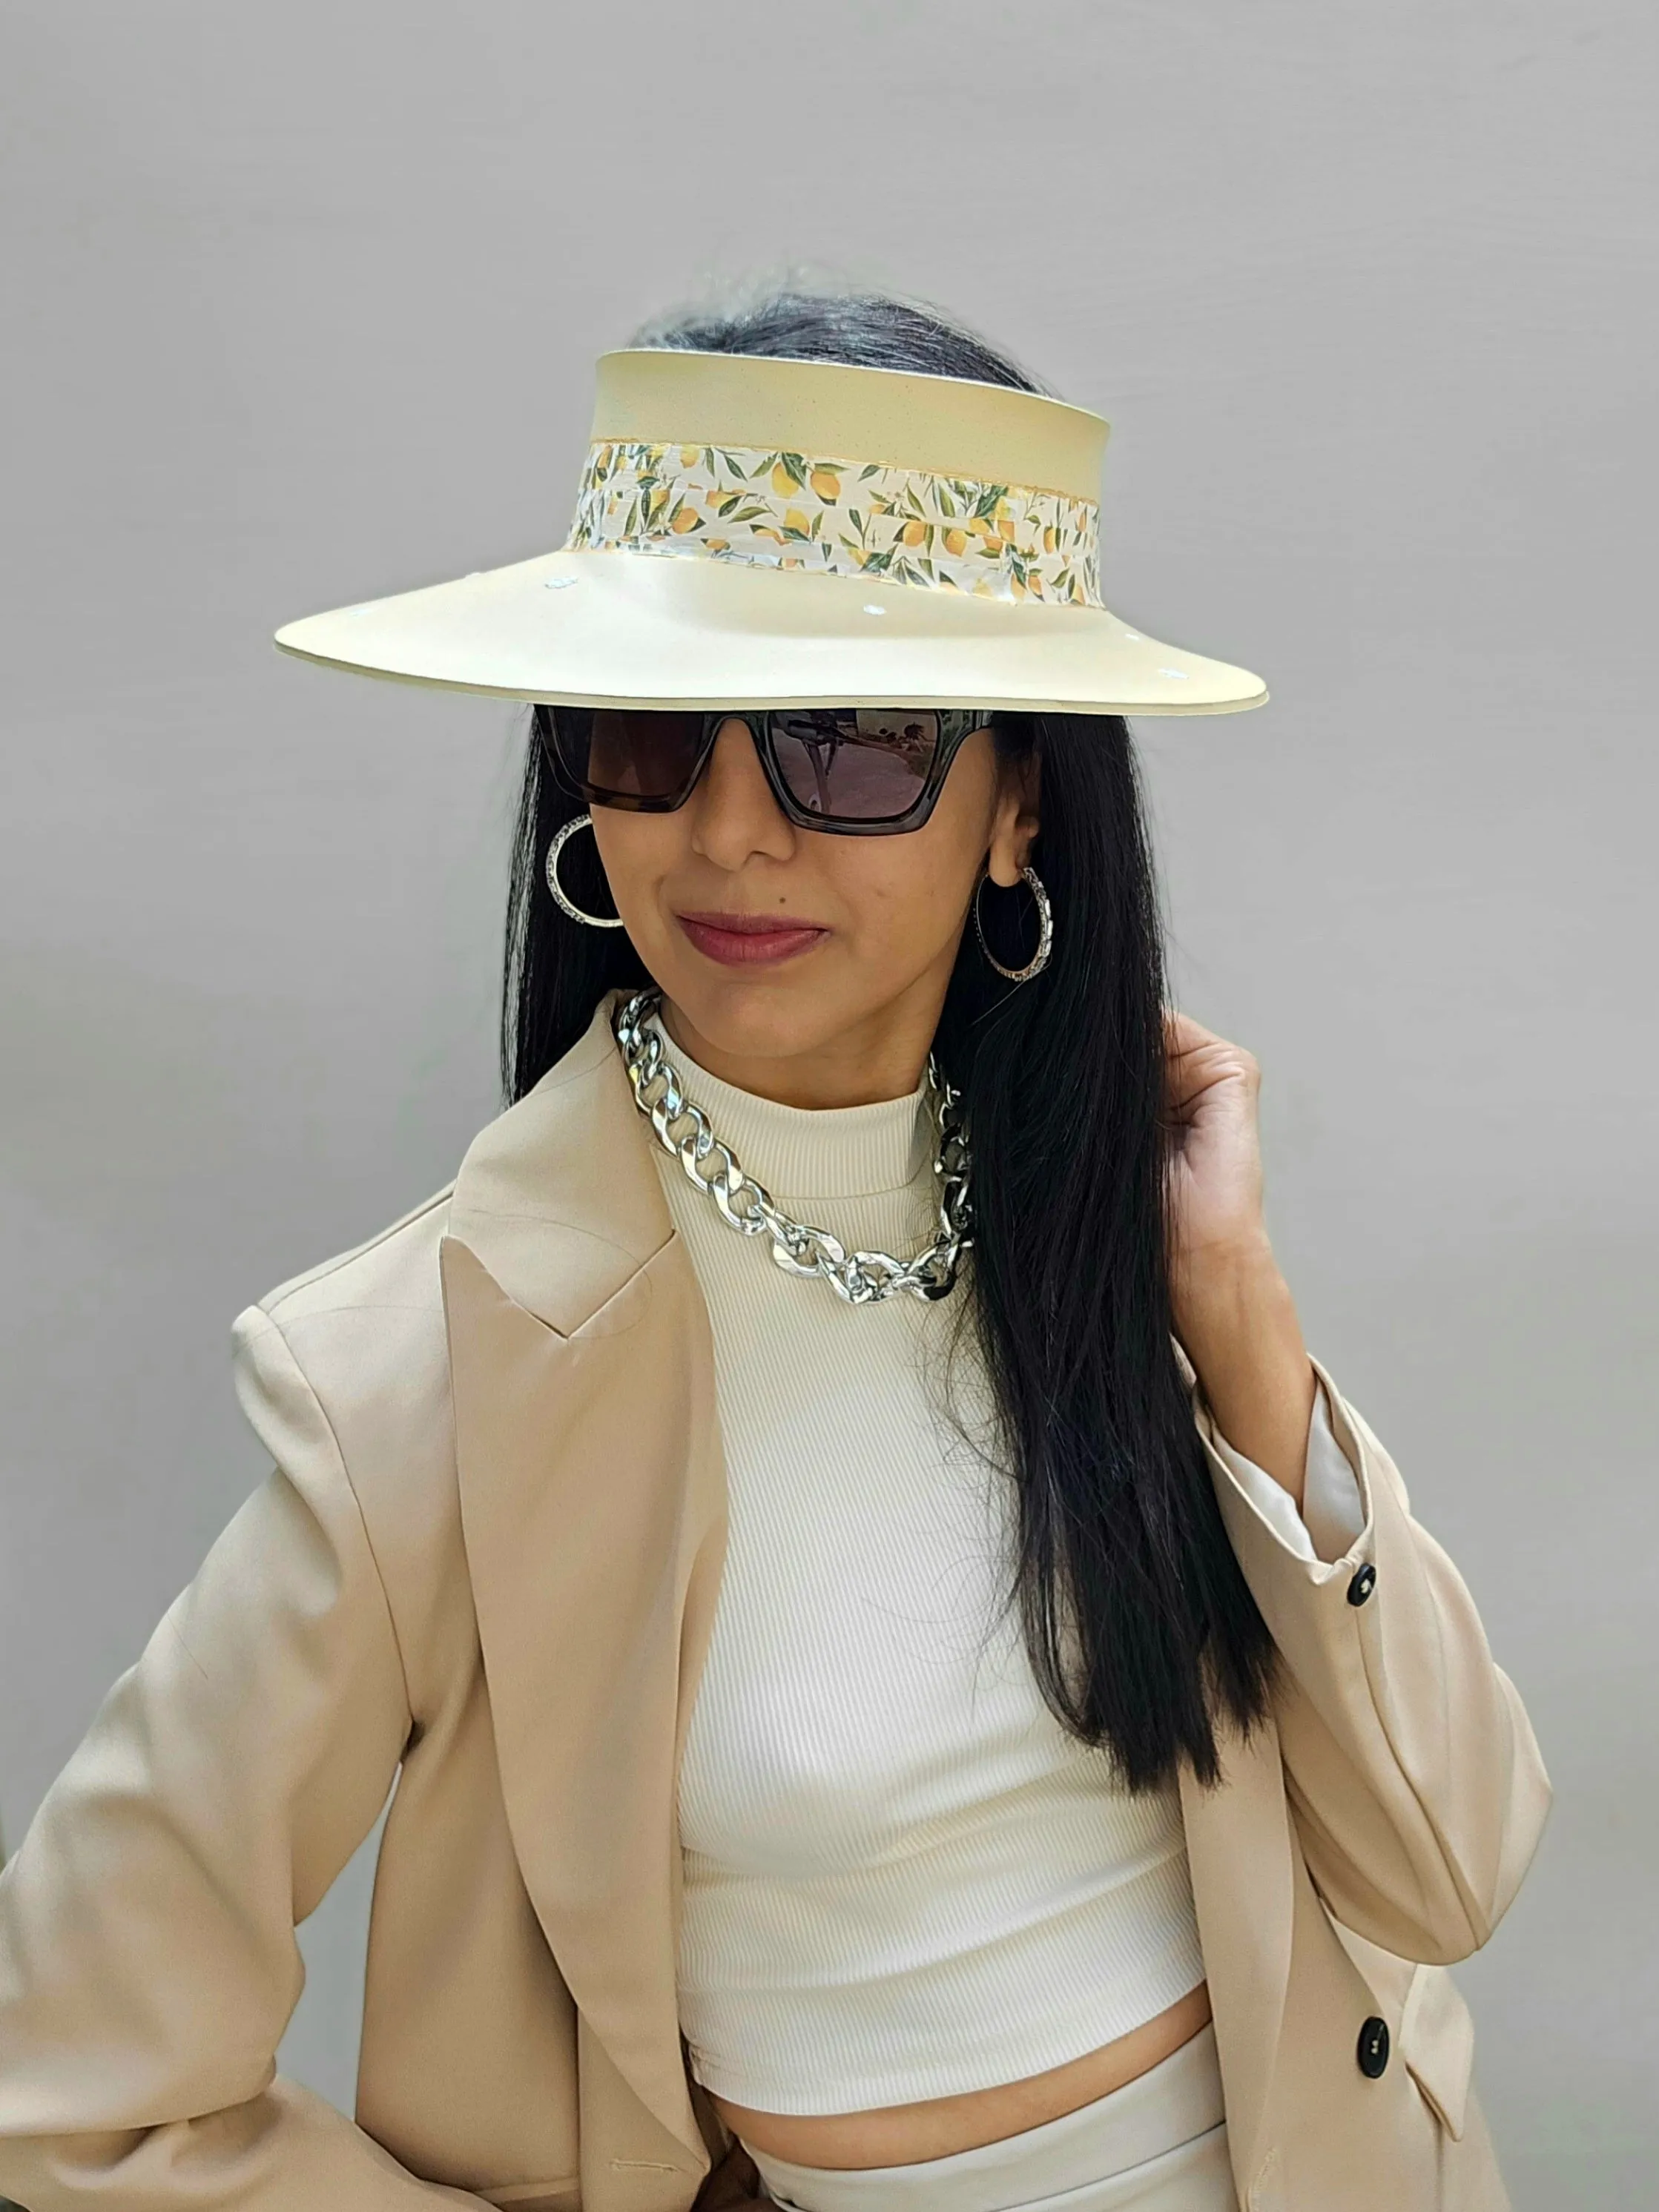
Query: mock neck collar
x: 805, y: 1152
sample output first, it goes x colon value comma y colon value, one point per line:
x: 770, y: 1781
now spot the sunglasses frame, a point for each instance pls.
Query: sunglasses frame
x: 956, y: 726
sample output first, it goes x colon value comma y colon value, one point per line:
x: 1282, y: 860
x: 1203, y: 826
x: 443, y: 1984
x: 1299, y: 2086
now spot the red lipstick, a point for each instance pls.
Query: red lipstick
x: 739, y: 940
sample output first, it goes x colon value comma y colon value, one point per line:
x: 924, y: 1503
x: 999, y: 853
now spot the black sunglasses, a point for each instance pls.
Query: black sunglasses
x: 857, y: 771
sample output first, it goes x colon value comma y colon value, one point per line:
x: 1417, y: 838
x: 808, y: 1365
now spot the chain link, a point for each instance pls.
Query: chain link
x: 861, y: 1278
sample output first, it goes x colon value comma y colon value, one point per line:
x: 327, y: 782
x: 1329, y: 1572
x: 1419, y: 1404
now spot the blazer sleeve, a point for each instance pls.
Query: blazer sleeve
x: 1412, y: 1773
x: 148, y: 1960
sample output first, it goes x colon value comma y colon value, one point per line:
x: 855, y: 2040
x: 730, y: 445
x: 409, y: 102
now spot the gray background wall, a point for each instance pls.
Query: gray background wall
x: 302, y: 303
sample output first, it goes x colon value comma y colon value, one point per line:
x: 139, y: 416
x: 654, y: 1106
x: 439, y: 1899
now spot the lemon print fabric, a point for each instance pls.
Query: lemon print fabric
x: 875, y: 519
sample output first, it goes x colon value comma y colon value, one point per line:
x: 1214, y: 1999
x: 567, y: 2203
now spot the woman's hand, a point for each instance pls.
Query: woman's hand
x: 1233, y: 1310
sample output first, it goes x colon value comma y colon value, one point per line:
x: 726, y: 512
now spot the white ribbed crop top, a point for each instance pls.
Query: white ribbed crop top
x: 902, y: 1878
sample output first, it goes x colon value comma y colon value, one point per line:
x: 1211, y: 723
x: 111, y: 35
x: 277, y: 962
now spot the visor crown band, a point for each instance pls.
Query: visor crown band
x: 879, y: 520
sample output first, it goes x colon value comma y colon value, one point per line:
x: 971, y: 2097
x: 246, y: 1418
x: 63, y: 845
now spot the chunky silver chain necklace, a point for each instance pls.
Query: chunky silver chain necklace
x: 860, y: 1277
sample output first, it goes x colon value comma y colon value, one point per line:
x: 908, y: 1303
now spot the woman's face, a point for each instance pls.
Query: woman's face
x: 808, y: 967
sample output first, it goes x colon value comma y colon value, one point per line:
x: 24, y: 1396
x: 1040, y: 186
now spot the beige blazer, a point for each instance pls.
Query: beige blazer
x: 485, y: 1568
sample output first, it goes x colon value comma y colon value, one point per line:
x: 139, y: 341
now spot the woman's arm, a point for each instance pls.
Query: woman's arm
x: 1238, y: 1322
x: 148, y: 1963
x: 1412, y: 1769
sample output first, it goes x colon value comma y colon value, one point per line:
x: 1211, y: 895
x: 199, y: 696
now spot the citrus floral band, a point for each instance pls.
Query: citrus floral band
x: 785, y: 510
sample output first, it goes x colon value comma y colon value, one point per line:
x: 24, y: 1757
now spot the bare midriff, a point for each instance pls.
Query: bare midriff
x: 899, y: 2135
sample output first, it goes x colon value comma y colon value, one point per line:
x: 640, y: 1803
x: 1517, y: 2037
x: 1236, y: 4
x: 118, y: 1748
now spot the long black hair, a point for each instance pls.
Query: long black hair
x: 1141, y: 1628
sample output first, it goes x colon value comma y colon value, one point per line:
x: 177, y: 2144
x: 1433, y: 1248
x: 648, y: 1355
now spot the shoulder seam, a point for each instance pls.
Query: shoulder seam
x: 325, y: 1268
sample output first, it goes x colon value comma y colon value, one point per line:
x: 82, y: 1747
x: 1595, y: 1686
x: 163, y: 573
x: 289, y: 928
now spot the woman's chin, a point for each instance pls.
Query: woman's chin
x: 759, y: 1013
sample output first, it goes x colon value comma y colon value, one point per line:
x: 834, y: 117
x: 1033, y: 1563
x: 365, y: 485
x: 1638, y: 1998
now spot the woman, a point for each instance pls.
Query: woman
x: 960, y: 1718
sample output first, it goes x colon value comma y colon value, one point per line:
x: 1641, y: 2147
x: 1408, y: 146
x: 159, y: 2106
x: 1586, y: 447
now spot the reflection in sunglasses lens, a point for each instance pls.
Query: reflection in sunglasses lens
x: 863, y: 764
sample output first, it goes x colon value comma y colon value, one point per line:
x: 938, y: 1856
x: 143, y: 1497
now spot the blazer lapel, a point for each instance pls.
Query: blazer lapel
x: 593, y: 1511
x: 1240, y: 1851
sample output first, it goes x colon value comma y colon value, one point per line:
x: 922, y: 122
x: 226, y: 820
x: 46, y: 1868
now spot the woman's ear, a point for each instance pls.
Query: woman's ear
x: 1017, y: 820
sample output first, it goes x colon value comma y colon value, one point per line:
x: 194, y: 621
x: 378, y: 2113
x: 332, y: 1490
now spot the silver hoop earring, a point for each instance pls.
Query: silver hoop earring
x: 568, y: 905
x: 1045, y: 943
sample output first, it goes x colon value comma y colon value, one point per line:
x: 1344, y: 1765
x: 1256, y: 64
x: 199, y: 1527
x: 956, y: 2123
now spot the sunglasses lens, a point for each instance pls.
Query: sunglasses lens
x: 621, y: 753
x: 855, y: 763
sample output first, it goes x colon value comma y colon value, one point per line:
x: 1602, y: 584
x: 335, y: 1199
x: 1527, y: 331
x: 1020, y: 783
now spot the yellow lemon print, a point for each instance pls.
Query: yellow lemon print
x: 717, y: 544
x: 794, y: 520
x: 913, y: 532
x: 783, y: 482
x: 686, y: 519
x: 1050, y: 539
x: 826, y: 484
x: 956, y: 541
x: 689, y: 456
